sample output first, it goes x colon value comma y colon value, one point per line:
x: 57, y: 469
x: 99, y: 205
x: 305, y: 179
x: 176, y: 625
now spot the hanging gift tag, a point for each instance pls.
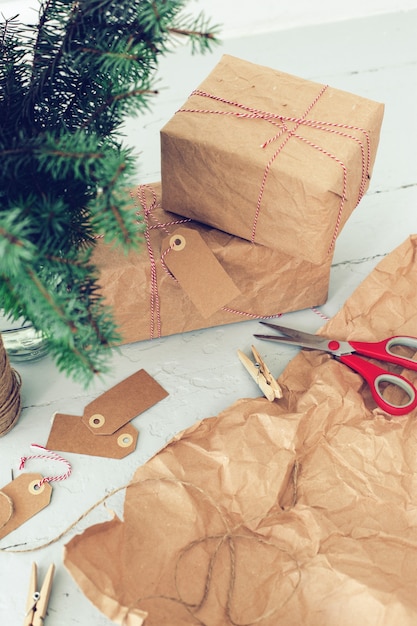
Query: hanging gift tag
x: 120, y: 404
x: 197, y: 270
x: 70, y: 434
x: 21, y: 499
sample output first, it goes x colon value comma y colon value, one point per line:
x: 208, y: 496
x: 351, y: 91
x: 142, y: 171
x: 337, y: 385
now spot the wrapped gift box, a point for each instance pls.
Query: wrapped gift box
x: 148, y: 301
x: 270, y: 157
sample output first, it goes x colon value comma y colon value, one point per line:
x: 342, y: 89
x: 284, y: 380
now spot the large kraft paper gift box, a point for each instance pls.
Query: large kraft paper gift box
x: 270, y: 157
x: 250, y: 281
x: 300, y: 512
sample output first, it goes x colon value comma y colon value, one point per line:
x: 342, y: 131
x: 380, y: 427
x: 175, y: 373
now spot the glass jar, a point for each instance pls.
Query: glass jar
x: 21, y: 341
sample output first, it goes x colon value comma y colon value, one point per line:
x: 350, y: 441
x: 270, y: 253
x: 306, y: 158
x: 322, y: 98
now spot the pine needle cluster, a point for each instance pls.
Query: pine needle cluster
x: 67, y: 83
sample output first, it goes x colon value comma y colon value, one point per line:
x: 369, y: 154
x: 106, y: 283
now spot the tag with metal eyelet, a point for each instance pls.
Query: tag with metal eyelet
x: 21, y: 499
x: 70, y: 434
x: 104, y: 428
x: 28, y: 494
x: 120, y: 404
x: 197, y: 270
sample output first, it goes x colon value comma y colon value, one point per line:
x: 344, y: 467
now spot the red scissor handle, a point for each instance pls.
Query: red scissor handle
x: 382, y: 350
x: 375, y: 376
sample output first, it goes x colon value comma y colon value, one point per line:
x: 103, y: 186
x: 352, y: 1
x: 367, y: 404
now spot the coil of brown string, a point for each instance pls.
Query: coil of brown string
x: 10, y: 401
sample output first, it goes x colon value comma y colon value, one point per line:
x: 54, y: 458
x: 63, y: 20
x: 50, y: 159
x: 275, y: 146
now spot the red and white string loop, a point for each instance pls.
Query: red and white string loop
x: 51, y: 456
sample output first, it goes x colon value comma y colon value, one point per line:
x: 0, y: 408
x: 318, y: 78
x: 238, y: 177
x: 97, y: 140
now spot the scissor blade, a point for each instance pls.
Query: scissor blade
x: 296, y: 337
x: 289, y: 341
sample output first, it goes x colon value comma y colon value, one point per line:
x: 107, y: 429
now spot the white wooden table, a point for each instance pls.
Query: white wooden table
x: 372, y: 57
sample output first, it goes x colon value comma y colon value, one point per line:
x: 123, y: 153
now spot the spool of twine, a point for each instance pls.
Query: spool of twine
x: 10, y: 383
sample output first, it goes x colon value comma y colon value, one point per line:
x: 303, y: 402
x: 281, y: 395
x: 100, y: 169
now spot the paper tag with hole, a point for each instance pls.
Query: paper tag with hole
x: 70, y: 434
x: 21, y: 499
x: 201, y: 276
x: 120, y: 404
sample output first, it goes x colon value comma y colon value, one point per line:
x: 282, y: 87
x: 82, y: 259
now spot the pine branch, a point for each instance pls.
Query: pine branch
x: 16, y: 248
x: 66, y: 85
x: 199, y: 33
x: 51, y: 301
x: 117, y: 98
x: 117, y: 209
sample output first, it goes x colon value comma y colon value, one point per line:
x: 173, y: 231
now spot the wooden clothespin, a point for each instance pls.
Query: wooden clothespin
x: 261, y: 375
x: 37, y: 602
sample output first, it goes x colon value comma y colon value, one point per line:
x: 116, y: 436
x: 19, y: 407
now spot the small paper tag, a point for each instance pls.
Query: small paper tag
x: 21, y: 499
x: 197, y: 270
x: 120, y: 404
x: 70, y: 434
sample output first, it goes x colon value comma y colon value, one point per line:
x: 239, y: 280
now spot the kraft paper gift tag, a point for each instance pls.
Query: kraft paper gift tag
x: 120, y: 404
x: 199, y: 273
x: 21, y: 499
x: 103, y: 430
x: 69, y: 434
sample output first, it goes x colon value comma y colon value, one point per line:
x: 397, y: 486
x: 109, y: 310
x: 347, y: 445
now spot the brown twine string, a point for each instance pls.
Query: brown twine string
x: 231, y: 540
x: 229, y: 537
x: 10, y: 384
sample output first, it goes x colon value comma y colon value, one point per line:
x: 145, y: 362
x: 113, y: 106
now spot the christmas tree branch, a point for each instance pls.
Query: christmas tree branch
x: 39, y: 31
x: 109, y: 204
x: 107, y: 193
x: 7, y: 28
x: 12, y: 239
x: 193, y: 33
x: 16, y: 249
x: 66, y: 85
x: 51, y: 301
x: 113, y: 99
x: 64, y: 261
x: 90, y: 334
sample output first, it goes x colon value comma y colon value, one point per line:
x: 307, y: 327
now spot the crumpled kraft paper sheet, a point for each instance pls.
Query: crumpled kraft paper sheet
x: 301, y: 511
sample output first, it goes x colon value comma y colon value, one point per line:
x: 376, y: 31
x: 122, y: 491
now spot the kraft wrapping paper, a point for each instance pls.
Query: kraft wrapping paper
x: 300, y: 511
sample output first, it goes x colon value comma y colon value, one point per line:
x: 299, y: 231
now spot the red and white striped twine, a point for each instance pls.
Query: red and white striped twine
x: 144, y: 192
x: 51, y: 456
x: 281, y: 121
x: 317, y: 311
x: 253, y: 316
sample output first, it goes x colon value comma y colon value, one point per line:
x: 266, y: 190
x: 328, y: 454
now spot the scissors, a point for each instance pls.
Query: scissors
x: 347, y: 352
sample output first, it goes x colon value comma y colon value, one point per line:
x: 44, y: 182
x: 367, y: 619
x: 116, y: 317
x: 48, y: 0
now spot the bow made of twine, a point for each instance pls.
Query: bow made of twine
x: 282, y: 122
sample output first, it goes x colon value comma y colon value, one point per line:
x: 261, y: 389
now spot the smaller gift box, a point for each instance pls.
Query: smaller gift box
x: 270, y: 157
x: 226, y: 279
